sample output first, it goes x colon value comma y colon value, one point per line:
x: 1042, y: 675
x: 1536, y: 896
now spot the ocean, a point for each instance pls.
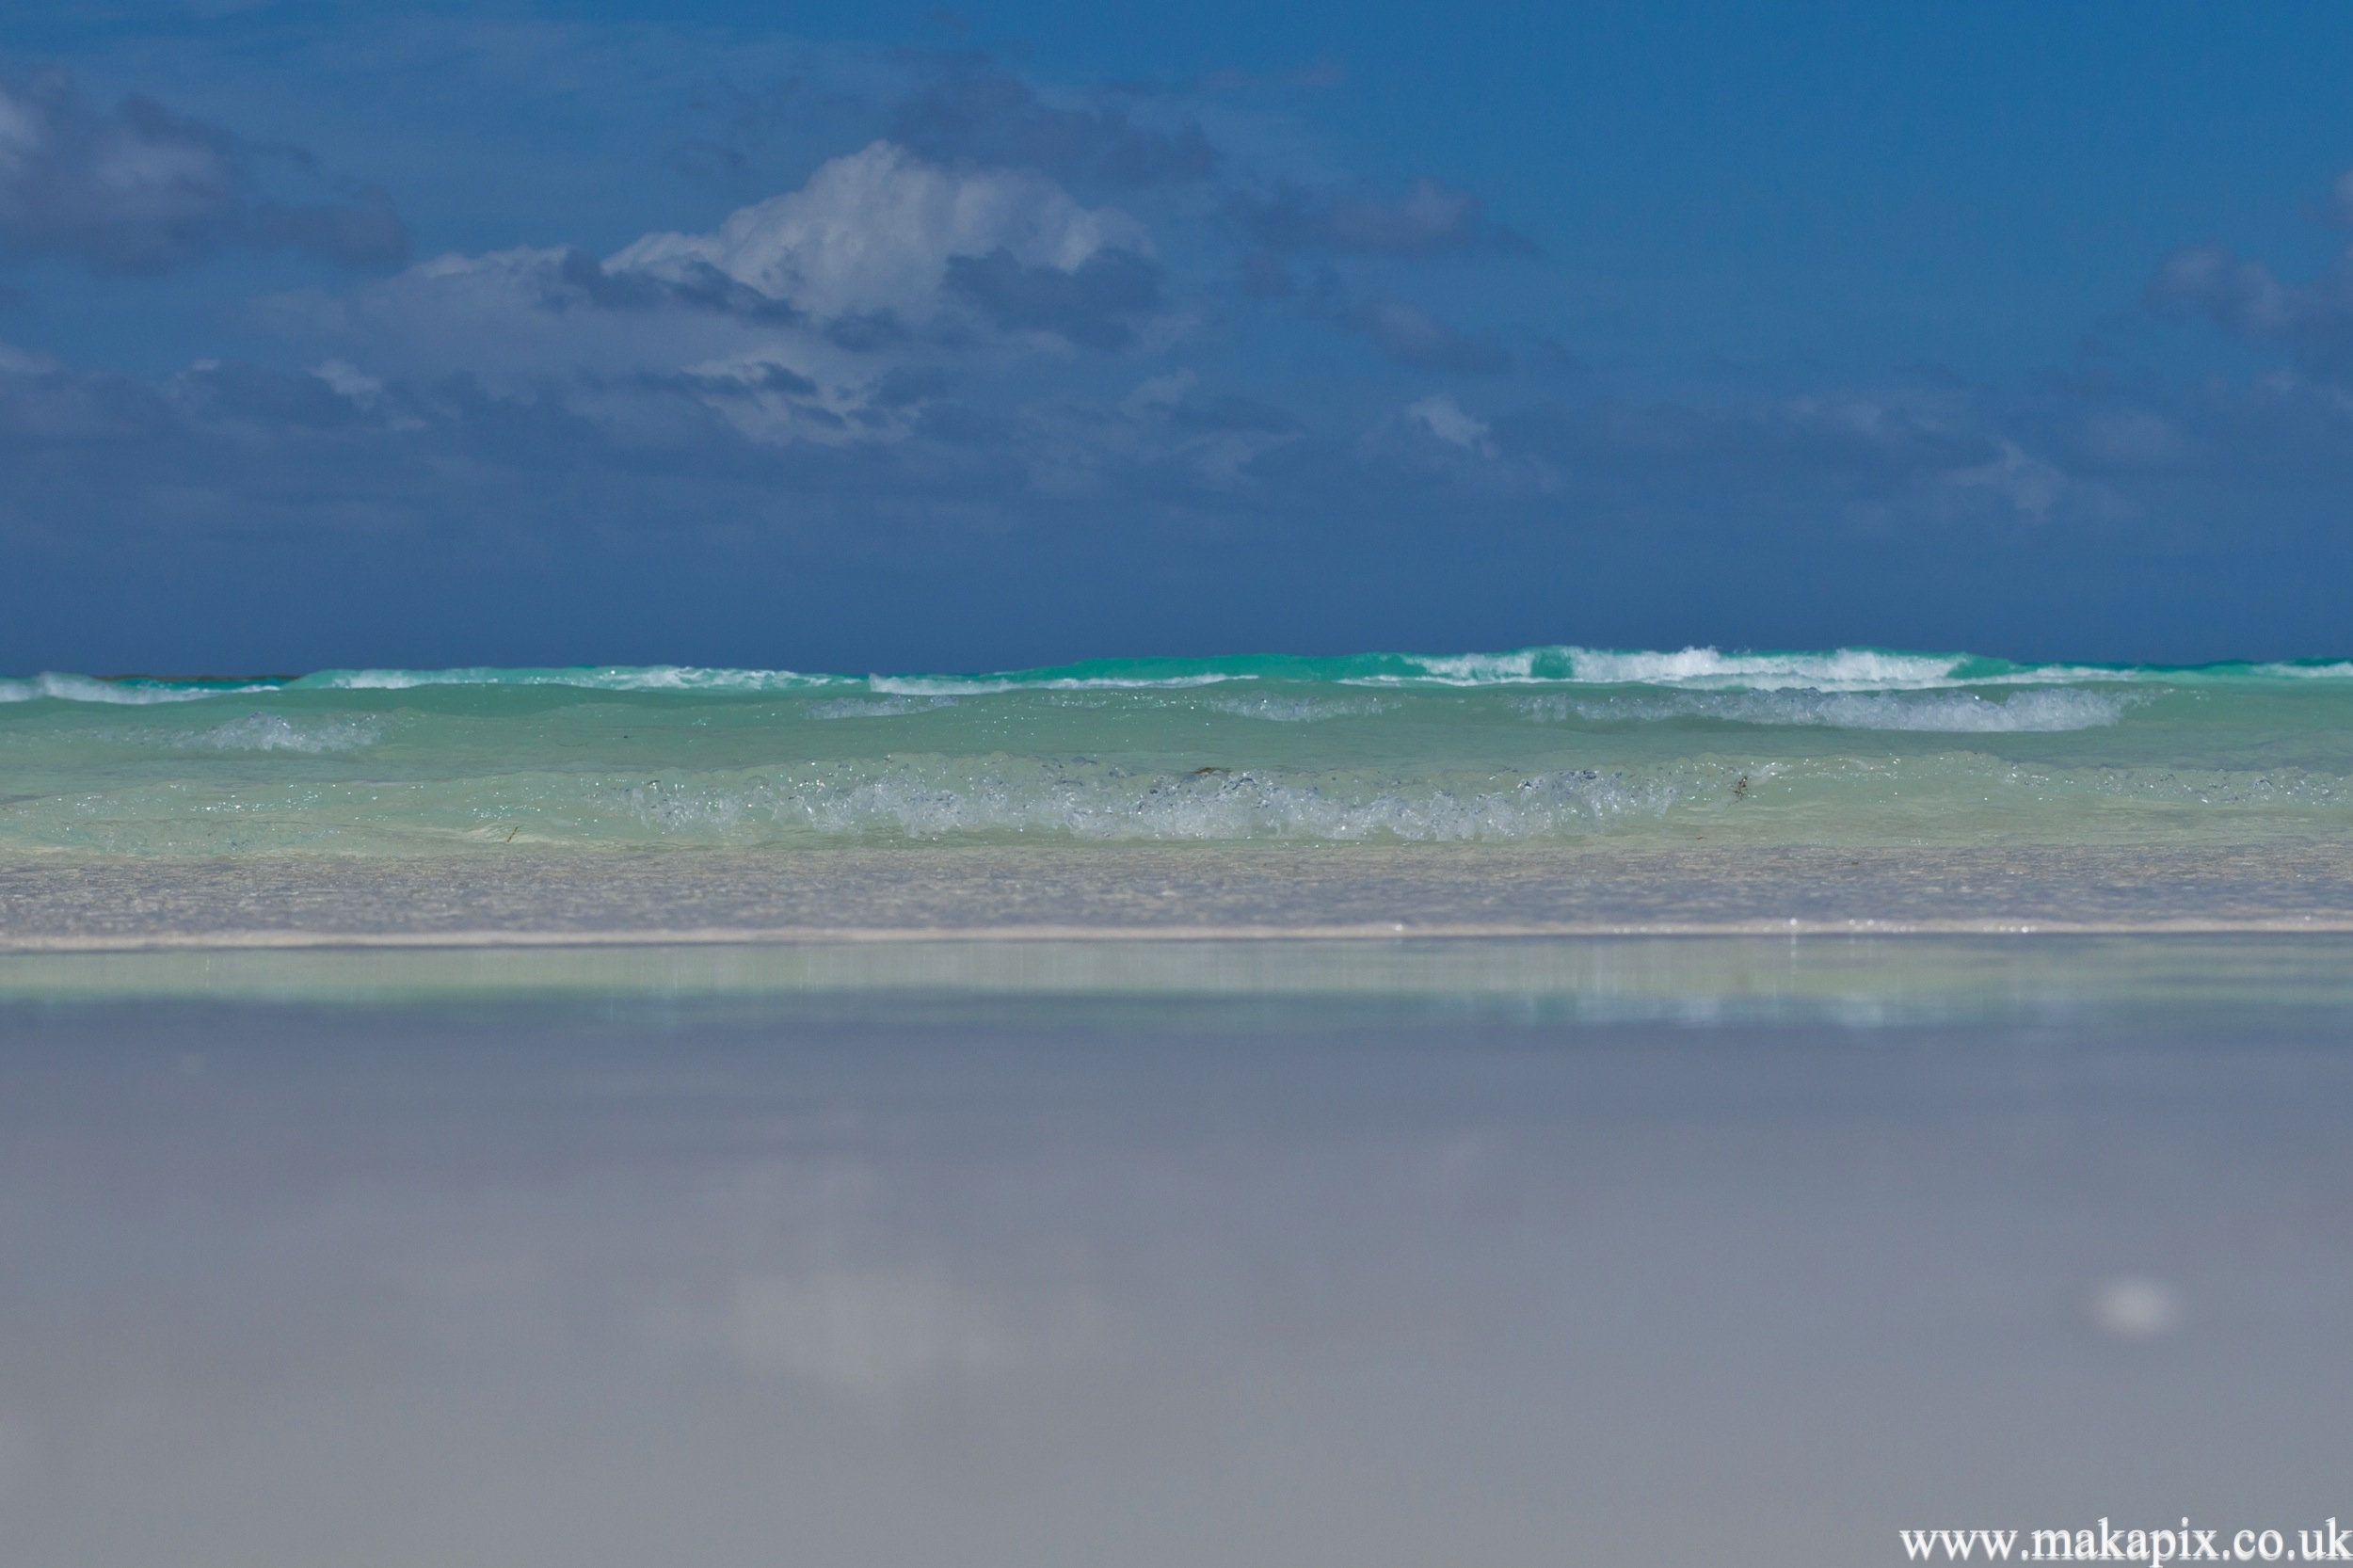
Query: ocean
x: 1544, y: 790
x: 1853, y: 748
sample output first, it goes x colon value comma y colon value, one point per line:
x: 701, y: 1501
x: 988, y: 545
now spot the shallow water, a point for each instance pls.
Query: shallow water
x: 1253, y: 1253
x: 1545, y: 745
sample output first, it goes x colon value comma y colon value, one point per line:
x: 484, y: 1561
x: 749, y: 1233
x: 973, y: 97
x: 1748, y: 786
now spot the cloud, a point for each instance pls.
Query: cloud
x: 1412, y: 337
x: 2029, y: 484
x: 828, y: 313
x: 272, y: 519
x: 977, y: 113
x: 2313, y: 320
x: 1092, y: 304
x: 140, y: 190
x: 950, y: 355
x: 875, y: 231
x: 1445, y: 418
x: 1429, y: 219
x: 1215, y: 440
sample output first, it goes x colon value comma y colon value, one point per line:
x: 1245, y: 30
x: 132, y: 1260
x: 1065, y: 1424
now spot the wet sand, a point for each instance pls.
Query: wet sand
x: 620, y: 1277
x: 1068, y: 890
x: 845, y: 1207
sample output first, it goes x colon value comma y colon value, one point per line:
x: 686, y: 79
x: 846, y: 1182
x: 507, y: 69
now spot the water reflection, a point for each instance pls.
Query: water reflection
x: 597, y: 1281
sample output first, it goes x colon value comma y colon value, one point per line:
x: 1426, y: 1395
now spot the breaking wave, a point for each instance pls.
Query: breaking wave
x: 1548, y: 744
x: 2040, y: 711
x: 610, y: 678
x: 1705, y: 669
x: 84, y: 688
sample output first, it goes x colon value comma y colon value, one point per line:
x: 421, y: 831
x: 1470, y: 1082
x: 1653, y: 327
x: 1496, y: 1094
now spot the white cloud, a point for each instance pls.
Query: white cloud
x: 875, y: 231
x: 1159, y: 393
x: 1445, y: 418
x: 786, y: 320
x: 2027, y: 483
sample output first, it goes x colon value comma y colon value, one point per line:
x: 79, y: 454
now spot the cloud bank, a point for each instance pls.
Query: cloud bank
x: 137, y: 189
x: 1030, y: 375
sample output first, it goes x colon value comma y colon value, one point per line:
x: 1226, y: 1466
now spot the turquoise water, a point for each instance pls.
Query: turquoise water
x: 1853, y: 746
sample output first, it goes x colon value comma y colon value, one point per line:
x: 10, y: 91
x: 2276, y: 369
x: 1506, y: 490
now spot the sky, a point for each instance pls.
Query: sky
x: 889, y: 336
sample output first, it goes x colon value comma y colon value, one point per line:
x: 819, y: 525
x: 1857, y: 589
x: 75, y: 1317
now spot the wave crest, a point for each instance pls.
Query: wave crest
x: 1695, y: 668
x: 2042, y: 711
x: 605, y: 678
x: 84, y: 688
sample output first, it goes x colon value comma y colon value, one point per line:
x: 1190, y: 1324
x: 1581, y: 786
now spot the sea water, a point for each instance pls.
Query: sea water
x: 1552, y: 745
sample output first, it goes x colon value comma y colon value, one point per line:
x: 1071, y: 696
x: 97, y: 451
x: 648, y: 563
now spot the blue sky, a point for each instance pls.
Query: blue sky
x: 887, y: 337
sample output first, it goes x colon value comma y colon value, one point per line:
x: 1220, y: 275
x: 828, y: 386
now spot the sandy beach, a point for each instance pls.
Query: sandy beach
x: 1266, y: 1253
x: 1064, y: 891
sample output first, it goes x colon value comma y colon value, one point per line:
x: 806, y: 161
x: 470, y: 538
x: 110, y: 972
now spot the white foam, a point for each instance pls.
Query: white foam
x: 1702, y: 668
x: 1947, y: 712
x: 272, y: 732
x: 1480, y: 670
x: 876, y: 708
x: 1710, y: 670
x: 83, y: 688
x: 2343, y: 670
x: 983, y: 685
x: 610, y: 678
x: 945, y: 800
x: 1845, y: 669
x: 1296, y: 710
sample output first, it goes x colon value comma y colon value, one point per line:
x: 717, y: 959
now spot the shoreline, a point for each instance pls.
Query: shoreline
x: 306, y: 941
x: 2158, y: 980
x: 1059, y: 893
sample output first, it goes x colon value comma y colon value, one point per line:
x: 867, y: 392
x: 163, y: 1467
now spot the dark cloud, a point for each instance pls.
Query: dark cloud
x: 1094, y: 305
x: 977, y: 113
x: 2312, y: 320
x: 1412, y: 337
x: 140, y: 190
x: 867, y: 331
x: 274, y: 519
x: 580, y: 278
x: 907, y: 385
x: 962, y: 425
x: 753, y: 381
x: 1429, y: 219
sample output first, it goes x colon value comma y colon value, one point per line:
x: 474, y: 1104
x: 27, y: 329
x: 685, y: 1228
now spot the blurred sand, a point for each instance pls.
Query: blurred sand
x: 1065, y: 891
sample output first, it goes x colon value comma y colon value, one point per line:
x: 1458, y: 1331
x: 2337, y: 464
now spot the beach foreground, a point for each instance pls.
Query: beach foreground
x: 1312, y: 1251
